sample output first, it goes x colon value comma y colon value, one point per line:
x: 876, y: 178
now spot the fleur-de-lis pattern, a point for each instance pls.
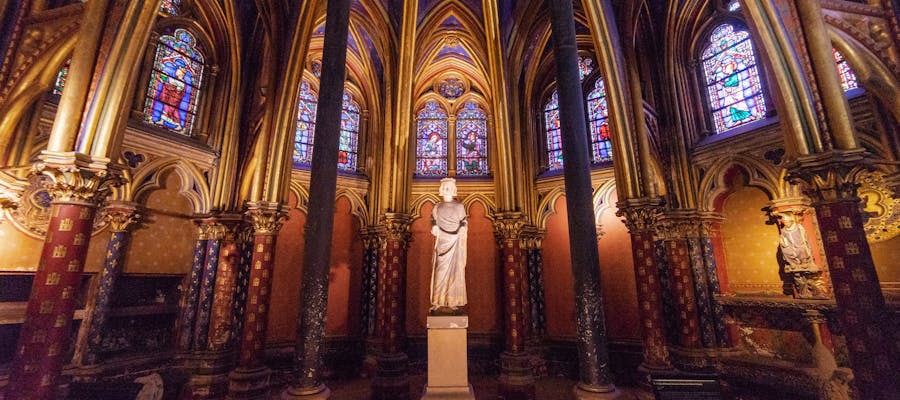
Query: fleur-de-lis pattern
x: 187, y: 319
x: 207, y: 291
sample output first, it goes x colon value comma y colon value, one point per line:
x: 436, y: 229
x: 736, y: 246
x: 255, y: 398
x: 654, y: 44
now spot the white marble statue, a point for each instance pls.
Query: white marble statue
x: 448, y: 274
x: 795, y: 245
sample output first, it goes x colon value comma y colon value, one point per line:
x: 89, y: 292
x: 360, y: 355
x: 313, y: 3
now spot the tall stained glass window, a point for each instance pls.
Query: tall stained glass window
x: 170, y: 6
x: 349, y: 134
x: 431, y: 142
x: 733, y: 85
x: 306, y: 124
x: 471, y: 141
x: 551, y: 125
x: 598, y: 113
x: 175, y: 83
x: 848, y: 78
x: 61, y: 77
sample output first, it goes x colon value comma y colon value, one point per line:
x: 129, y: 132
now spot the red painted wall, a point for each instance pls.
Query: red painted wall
x: 559, y: 295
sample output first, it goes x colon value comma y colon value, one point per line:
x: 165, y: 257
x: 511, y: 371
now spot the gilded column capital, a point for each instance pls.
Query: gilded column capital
x: 508, y: 225
x: 266, y: 218
x: 77, y: 178
x: 640, y: 214
x: 709, y: 220
x: 371, y: 237
x: 122, y: 216
x: 830, y: 177
x: 395, y: 226
x: 532, y: 237
x: 224, y: 227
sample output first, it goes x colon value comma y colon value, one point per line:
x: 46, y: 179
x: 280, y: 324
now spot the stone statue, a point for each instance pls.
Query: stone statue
x: 798, y: 259
x: 448, y: 274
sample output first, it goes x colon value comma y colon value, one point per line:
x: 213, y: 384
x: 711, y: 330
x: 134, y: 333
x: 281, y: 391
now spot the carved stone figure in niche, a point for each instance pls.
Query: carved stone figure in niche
x: 448, y: 274
x: 798, y: 260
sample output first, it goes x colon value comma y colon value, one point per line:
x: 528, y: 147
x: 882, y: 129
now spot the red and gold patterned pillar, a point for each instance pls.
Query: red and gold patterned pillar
x: 122, y: 217
x: 250, y: 380
x: 44, y: 338
x: 831, y: 185
x: 640, y: 218
x: 221, y: 322
x: 674, y: 231
x: 516, y: 379
x: 391, y: 381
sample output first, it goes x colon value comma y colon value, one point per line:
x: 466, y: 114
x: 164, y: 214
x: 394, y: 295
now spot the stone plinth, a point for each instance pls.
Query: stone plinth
x: 447, y: 359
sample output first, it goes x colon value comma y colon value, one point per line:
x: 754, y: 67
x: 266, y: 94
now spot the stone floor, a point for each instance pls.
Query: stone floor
x: 485, y: 387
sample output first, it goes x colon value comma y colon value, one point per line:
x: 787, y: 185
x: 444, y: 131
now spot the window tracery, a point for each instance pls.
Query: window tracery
x: 471, y: 141
x: 431, y: 143
x: 734, y: 88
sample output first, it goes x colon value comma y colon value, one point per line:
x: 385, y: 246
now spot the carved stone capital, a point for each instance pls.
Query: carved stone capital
x: 224, y: 227
x: 266, y: 218
x: 640, y: 214
x: 508, y: 225
x: 121, y: 216
x: 830, y: 177
x: 678, y: 224
x: 76, y: 178
x: 708, y: 221
x: 532, y: 237
x: 396, y: 226
x: 370, y: 237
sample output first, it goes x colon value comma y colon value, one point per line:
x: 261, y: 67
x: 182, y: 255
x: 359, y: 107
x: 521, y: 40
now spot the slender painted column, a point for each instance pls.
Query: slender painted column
x: 372, y: 245
x: 538, y: 317
x: 250, y: 380
x: 221, y: 318
x: 187, y: 317
x: 675, y: 230
x: 710, y: 234
x: 831, y: 184
x: 640, y: 220
x: 44, y: 336
x: 516, y: 380
x: 122, y: 218
x: 593, y: 357
x: 207, y: 287
x: 391, y: 380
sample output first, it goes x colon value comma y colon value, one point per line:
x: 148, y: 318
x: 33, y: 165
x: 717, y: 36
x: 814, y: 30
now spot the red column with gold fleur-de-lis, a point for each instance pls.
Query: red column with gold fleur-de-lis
x: 44, y: 337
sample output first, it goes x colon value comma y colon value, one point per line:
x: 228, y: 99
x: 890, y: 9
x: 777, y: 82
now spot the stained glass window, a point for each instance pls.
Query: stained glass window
x: 848, y: 78
x: 61, y: 77
x: 732, y: 79
x: 734, y: 6
x: 471, y: 141
x: 598, y: 112
x: 431, y: 143
x: 306, y: 124
x: 585, y: 67
x: 554, y: 141
x: 175, y: 83
x: 349, y: 134
x: 451, y: 88
x: 170, y: 6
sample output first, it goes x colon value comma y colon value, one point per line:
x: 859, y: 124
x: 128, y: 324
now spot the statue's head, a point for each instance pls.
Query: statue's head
x: 448, y: 187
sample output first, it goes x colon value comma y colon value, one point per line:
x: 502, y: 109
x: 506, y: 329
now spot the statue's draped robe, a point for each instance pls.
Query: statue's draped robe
x: 448, y: 275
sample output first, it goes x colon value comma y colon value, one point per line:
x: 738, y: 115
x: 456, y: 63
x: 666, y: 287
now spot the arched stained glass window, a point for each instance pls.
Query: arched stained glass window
x: 551, y: 126
x: 306, y: 124
x: 598, y: 114
x: 175, y: 83
x: 349, y: 134
x: 170, y: 6
x: 61, y: 77
x: 848, y: 78
x: 471, y: 141
x: 733, y: 85
x: 431, y: 143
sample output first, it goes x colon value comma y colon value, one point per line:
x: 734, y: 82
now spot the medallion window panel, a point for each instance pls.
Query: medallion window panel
x: 306, y: 124
x: 551, y: 128
x: 734, y: 88
x: 431, y: 141
x: 598, y: 115
x: 175, y: 83
x: 848, y: 78
x: 347, y: 146
x: 471, y: 141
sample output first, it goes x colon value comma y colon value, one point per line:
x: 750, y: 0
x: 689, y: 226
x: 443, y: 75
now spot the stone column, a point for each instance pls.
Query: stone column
x: 122, y: 218
x: 391, y: 381
x: 373, y: 245
x: 207, y: 286
x: 187, y: 317
x: 516, y: 379
x: 44, y: 336
x: 250, y: 380
x: 709, y: 228
x: 674, y: 233
x: 640, y: 218
x: 221, y: 321
x: 831, y: 184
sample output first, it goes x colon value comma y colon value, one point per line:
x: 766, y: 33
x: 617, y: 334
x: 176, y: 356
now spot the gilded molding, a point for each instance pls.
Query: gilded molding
x: 121, y: 217
x: 371, y: 238
x: 640, y: 215
x: 226, y: 227
x: 266, y: 218
x: 678, y: 224
x: 882, y: 206
x: 74, y: 180
x: 396, y: 227
x: 830, y: 177
x: 509, y: 226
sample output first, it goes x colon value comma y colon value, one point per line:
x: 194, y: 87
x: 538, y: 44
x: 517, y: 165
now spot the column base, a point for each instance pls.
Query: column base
x: 249, y: 383
x: 516, y: 377
x: 449, y: 393
x: 693, y: 360
x: 585, y: 392
x: 209, y: 373
x: 391, y: 380
x: 320, y: 392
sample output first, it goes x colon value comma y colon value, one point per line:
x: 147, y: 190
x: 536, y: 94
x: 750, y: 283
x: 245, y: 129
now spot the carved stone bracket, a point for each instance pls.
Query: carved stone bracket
x: 508, y: 225
x: 75, y: 178
x: 640, y: 214
x: 396, y: 226
x: 830, y: 177
x: 122, y: 216
x: 266, y: 218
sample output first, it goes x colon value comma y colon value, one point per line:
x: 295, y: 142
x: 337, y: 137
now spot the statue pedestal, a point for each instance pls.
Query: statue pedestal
x: 448, y: 372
